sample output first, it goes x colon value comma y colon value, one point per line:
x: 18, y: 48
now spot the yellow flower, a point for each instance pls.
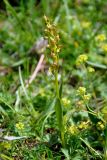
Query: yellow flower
x: 65, y: 102
x: 100, y: 125
x: 6, y: 145
x: 86, y: 24
x: 83, y: 125
x: 73, y: 129
x: 20, y: 126
x: 104, y: 47
x: 81, y: 59
x: 91, y: 70
x: 101, y: 37
x: 81, y: 91
x: 76, y: 44
x: 80, y: 103
x: 87, y: 97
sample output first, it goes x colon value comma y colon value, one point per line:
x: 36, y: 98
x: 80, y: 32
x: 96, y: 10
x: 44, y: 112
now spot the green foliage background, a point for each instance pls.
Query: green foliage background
x: 79, y: 22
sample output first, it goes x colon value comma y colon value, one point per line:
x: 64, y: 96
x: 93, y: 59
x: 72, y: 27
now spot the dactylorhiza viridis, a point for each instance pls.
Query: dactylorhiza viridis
x: 51, y: 34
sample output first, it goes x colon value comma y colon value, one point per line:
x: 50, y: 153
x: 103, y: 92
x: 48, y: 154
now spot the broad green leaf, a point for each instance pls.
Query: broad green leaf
x: 59, y: 114
x: 47, y: 114
x: 65, y: 151
x: 61, y: 85
x: 101, y: 66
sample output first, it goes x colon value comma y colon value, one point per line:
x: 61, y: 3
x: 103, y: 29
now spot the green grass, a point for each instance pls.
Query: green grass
x: 39, y: 114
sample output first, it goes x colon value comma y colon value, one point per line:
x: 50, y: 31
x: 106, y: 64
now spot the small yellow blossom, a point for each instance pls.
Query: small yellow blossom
x: 101, y: 37
x: 87, y: 97
x: 86, y: 24
x: 83, y: 125
x: 100, y: 125
x: 81, y: 59
x: 76, y: 44
x: 73, y: 129
x: 80, y: 103
x: 20, y: 126
x: 81, y: 91
x: 65, y: 101
x: 91, y: 70
x: 104, y: 47
x: 6, y: 145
